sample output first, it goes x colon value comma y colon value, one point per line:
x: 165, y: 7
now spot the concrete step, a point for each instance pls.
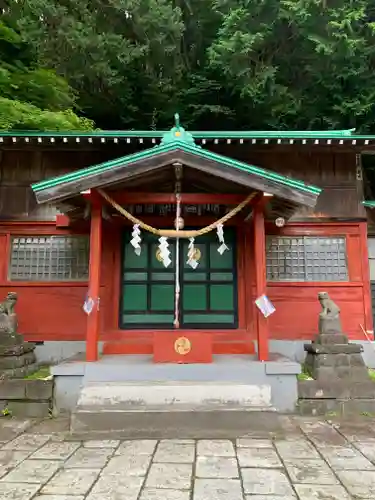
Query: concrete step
x: 131, y: 395
x: 169, y: 409
x: 199, y: 424
x: 129, y: 369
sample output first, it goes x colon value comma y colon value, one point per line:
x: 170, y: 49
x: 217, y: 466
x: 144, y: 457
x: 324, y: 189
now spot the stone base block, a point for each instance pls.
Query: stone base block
x: 15, y: 389
x: 333, y: 348
x: 22, y: 372
x: 27, y: 398
x: 17, y: 349
x: 336, y: 361
x: 319, y: 406
x: 38, y: 390
x: 336, y: 389
x: 29, y: 409
x: 331, y: 338
x: 17, y: 360
x: 359, y: 407
x: 351, y: 374
x: 338, y: 407
x: 10, y: 362
x: 12, y: 389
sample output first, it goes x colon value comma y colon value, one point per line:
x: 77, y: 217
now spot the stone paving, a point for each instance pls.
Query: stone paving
x: 313, y: 460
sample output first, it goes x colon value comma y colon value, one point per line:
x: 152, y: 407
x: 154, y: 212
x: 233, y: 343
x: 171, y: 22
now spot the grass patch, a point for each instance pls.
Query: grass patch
x: 371, y: 373
x: 305, y: 375
x: 332, y: 414
x: 43, y: 373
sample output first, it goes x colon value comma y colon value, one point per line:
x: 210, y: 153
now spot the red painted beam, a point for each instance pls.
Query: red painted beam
x: 93, y: 319
x: 170, y: 198
x: 62, y: 220
x: 260, y: 276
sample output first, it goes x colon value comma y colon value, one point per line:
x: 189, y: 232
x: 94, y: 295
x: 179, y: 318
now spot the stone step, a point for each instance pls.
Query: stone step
x: 131, y: 395
x: 216, y: 423
x: 129, y: 369
x: 168, y: 409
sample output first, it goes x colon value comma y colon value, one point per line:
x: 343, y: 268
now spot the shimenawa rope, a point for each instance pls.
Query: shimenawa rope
x: 172, y: 233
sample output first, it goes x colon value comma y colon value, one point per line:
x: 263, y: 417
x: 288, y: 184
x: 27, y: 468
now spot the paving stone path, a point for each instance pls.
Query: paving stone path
x: 313, y: 460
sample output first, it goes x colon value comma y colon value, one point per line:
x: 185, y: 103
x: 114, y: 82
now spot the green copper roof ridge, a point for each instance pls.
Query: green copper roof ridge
x: 177, y: 134
x: 197, y: 134
x: 369, y: 203
x: 278, y: 178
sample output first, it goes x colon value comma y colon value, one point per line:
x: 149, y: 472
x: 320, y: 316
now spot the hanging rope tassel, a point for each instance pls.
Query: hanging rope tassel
x: 220, y: 235
x: 136, y: 239
x: 192, y: 262
x: 176, y: 321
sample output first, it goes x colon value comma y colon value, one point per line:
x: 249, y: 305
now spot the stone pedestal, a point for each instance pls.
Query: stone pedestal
x: 16, y: 359
x: 341, y: 383
x: 331, y: 357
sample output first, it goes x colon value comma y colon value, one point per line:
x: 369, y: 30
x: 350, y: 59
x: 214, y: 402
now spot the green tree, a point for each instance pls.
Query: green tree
x: 221, y: 63
x: 298, y: 63
x: 121, y: 56
x: 32, y: 97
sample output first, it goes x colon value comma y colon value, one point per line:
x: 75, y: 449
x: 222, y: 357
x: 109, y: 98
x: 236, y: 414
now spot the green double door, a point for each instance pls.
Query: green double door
x: 208, y: 294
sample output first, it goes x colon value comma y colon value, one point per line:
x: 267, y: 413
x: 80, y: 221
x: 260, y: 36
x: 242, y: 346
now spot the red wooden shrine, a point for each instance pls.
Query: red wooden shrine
x: 51, y: 310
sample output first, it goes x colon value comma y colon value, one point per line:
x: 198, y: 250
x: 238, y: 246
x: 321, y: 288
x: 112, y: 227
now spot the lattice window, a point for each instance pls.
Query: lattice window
x: 306, y: 258
x: 49, y: 258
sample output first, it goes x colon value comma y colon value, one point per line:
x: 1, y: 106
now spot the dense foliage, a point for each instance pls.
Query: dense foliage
x: 31, y: 96
x: 229, y: 64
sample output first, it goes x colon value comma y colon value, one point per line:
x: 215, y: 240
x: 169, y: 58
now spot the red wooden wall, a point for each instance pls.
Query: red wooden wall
x: 53, y: 311
x: 46, y: 311
x: 297, y: 307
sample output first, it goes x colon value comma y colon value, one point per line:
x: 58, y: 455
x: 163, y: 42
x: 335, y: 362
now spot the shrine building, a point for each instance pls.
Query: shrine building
x: 177, y: 245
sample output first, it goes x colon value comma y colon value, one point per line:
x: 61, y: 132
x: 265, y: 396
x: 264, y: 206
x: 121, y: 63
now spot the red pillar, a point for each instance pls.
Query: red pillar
x: 260, y: 277
x: 93, y: 319
x: 366, y: 277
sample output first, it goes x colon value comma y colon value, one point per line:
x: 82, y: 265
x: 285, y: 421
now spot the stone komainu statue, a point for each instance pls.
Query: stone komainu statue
x: 17, y: 358
x: 8, y: 318
x: 329, y: 317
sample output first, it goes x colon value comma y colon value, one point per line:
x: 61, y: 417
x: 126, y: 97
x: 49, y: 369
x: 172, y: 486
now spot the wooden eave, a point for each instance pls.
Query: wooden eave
x: 358, y: 144
x: 342, y: 139
x: 147, y: 161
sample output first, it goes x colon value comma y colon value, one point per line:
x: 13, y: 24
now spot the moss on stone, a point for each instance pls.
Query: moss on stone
x: 42, y: 373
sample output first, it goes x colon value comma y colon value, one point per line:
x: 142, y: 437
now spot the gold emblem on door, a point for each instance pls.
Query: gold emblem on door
x: 182, y: 346
x: 158, y: 255
x: 197, y: 255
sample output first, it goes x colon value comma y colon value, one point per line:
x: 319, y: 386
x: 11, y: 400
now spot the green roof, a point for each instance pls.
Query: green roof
x: 369, y: 204
x: 182, y: 141
x: 197, y: 134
